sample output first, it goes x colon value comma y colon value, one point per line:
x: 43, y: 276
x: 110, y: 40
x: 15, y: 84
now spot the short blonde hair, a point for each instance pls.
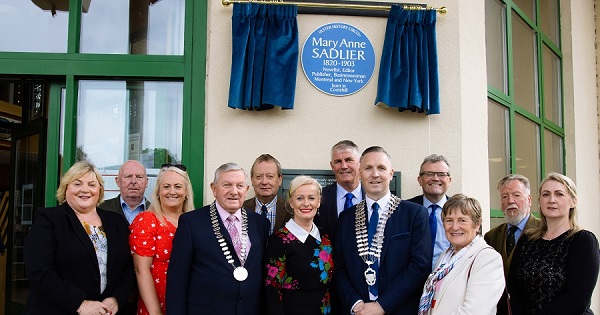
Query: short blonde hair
x: 76, y: 171
x: 298, y: 182
x: 188, y: 204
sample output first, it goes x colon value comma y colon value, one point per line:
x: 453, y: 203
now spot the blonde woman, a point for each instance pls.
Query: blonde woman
x: 152, y: 235
x: 555, y: 266
x: 76, y: 255
x: 299, y: 261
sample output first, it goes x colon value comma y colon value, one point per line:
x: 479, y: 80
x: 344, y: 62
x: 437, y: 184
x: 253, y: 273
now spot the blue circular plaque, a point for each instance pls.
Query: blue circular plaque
x: 338, y: 59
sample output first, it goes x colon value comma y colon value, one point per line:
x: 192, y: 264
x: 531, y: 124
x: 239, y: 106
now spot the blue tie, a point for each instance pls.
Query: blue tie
x: 433, y: 223
x: 371, y: 231
x: 348, y: 203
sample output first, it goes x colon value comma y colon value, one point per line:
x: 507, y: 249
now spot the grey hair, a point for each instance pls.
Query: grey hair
x: 228, y: 167
x: 345, y: 145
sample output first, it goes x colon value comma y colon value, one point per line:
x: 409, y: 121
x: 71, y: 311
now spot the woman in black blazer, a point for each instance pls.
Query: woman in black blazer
x: 77, y: 256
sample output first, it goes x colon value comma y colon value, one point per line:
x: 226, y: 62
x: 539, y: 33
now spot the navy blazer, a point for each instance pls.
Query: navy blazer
x: 327, y: 217
x: 62, y: 265
x: 404, y: 266
x: 199, y: 279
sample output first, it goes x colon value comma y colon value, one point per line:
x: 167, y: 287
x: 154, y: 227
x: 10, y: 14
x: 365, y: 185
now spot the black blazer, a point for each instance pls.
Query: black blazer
x: 199, y: 279
x: 114, y: 205
x: 404, y: 266
x: 327, y: 217
x: 62, y: 266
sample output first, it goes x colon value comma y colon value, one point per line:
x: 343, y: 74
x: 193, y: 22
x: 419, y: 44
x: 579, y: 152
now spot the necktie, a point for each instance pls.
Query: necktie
x: 348, y: 202
x: 263, y: 212
x: 433, y: 223
x: 233, y: 233
x: 510, y: 239
x: 371, y: 231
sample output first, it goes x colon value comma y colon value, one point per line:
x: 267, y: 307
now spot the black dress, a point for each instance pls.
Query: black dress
x: 554, y: 276
x: 298, y: 274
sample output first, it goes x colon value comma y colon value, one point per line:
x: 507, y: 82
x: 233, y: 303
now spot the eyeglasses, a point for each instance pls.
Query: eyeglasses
x: 179, y: 166
x: 440, y: 175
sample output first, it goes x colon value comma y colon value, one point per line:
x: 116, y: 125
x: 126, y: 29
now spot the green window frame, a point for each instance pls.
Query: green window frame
x: 543, y: 116
x: 67, y: 69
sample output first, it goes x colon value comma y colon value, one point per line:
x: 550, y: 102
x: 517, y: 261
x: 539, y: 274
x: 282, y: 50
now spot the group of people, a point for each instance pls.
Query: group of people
x: 351, y: 247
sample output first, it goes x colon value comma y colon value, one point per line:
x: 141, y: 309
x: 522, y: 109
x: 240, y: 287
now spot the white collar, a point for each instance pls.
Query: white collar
x: 301, y: 233
x: 341, y: 192
x: 382, y: 202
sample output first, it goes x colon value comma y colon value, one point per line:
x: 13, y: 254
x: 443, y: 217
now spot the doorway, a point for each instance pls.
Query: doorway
x: 23, y: 128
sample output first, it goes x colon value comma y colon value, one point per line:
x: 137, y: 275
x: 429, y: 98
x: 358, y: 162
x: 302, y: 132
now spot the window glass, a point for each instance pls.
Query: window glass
x: 129, y: 120
x: 549, y: 20
x: 553, y: 152
x: 141, y: 27
x: 32, y: 26
x: 524, y: 65
x: 495, y: 26
x: 527, y: 6
x: 527, y: 144
x: 498, y: 148
x: 552, y: 86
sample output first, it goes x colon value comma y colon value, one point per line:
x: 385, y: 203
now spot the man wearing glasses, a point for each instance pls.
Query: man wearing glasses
x: 434, y: 178
x: 132, y: 181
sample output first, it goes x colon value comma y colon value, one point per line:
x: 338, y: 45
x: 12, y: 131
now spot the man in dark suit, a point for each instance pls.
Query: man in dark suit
x: 515, y: 200
x: 384, y: 272
x: 345, y: 192
x: 434, y: 179
x: 216, y: 262
x: 132, y: 181
x: 266, y: 178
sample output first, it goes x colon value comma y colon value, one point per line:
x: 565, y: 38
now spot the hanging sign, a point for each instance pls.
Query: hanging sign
x: 338, y: 59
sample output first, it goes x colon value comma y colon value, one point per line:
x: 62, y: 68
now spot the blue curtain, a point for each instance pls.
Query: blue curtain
x: 408, y: 74
x: 264, y: 56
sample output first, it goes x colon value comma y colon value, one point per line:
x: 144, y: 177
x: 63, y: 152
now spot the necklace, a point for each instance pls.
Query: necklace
x: 370, y: 253
x: 239, y: 273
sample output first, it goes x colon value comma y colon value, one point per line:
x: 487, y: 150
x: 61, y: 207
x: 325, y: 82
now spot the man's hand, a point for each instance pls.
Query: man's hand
x: 371, y: 308
x: 112, y: 304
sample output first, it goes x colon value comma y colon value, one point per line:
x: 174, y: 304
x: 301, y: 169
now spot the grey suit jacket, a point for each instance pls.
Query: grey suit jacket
x: 496, y: 238
x: 114, y: 205
x: 281, y: 215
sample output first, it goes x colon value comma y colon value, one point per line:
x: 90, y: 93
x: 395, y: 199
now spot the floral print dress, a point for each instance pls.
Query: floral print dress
x: 298, y: 273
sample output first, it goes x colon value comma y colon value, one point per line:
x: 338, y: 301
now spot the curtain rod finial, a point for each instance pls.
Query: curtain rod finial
x: 442, y: 10
x: 226, y: 2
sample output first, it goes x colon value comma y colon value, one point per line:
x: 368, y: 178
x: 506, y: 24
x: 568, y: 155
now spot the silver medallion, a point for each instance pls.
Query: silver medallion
x: 241, y: 274
x: 370, y: 276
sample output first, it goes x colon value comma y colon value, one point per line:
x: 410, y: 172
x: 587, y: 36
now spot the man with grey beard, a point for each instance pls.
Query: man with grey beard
x: 515, y: 197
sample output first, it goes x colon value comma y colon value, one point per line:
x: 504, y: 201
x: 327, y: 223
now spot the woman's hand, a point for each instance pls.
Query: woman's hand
x: 93, y: 308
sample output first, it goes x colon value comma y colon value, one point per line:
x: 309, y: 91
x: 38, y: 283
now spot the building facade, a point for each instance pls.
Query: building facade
x: 115, y: 80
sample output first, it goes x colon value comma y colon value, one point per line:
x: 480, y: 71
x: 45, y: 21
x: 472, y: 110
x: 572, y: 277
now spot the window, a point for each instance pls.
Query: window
x: 525, y: 106
x: 140, y: 27
x: 129, y: 120
x: 33, y: 26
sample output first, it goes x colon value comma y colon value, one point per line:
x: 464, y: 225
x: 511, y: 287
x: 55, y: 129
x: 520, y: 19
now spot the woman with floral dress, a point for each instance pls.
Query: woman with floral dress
x: 298, y: 256
x: 152, y: 235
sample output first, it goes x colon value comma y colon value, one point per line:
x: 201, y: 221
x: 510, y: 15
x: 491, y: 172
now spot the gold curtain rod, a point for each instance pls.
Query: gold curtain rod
x: 441, y: 10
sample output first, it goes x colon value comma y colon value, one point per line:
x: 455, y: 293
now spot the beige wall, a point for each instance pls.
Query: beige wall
x: 301, y: 138
x: 581, y: 112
